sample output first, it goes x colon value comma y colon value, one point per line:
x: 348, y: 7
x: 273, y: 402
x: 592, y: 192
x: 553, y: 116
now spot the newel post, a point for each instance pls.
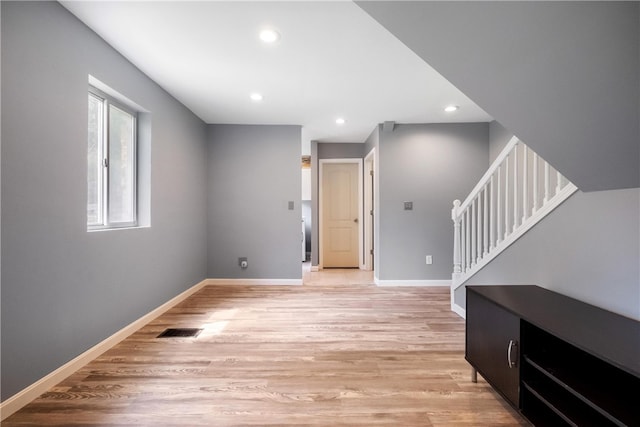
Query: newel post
x: 457, y: 266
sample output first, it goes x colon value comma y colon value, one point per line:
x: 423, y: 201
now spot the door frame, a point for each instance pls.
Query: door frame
x: 322, y: 162
x: 369, y: 205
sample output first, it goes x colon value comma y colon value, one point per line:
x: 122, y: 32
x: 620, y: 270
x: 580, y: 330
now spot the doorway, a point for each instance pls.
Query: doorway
x: 369, y: 210
x: 340, y: 213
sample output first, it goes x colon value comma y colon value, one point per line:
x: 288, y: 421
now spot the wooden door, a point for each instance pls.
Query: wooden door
x: 340, y: 224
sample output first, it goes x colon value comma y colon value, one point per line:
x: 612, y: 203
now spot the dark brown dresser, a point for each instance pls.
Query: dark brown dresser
x: 559, y: 361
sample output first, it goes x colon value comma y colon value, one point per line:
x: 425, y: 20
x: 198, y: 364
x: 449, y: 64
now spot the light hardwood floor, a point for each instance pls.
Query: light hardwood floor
x: 337, y: 351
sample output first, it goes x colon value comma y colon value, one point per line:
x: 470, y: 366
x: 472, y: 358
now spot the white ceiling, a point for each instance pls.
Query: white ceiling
x: 333, y: 60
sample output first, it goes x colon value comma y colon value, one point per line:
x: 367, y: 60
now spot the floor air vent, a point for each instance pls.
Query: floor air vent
x: 180, y: 333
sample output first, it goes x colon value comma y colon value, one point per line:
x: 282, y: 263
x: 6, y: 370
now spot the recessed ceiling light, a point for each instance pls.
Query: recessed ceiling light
x: 451, y: 108
x: 256, y: 97
x: 340, y: 121
x: 269, y: 36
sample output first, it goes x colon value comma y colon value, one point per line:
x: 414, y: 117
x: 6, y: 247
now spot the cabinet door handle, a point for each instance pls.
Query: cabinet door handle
x: 513, y: 361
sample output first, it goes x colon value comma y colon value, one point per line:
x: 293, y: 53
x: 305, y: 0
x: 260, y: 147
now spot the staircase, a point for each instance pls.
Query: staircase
x: 519, y: 189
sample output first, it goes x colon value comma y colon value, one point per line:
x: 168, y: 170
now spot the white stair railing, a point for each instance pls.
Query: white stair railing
x: 519, y: 189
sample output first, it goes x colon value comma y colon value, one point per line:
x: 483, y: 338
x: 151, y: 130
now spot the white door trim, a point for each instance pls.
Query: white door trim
x: 368, y: 195
x: 322, y: 162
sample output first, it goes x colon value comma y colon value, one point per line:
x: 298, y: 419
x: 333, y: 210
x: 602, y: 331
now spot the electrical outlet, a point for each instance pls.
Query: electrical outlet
x: 243, y: 262
x: 429, y: 259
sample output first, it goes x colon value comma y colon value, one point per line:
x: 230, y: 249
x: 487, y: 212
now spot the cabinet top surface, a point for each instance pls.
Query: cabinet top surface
x: 605, y: 334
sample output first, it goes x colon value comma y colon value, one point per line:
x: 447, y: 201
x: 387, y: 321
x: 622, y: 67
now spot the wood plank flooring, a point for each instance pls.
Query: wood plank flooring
x: 322, y: 354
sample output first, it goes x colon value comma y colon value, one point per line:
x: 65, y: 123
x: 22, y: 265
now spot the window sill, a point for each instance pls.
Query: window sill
x: 129, y: 227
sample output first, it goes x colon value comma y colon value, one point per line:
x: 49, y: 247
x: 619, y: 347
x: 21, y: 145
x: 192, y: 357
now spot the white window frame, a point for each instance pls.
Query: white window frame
x: 108, y: 101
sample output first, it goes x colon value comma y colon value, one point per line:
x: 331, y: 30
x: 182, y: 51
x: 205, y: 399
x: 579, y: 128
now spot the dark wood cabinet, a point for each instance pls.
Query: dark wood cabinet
x: 492, y: 339
x: 574, y: 364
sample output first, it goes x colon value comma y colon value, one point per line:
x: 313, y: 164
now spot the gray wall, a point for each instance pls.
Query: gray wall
x: 588, y: 248
x: 430, y: 165
x: 341, y: 150
x: 253, y: 172
x: 373, y: 140
x: 64, y: 289
x: 499, y: 137
x: 563, y: 76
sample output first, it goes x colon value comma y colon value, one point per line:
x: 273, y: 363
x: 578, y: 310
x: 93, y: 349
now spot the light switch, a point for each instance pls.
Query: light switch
x: 290, y: 205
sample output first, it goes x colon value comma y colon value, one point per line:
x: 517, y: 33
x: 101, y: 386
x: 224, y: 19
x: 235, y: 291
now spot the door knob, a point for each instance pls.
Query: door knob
x: 355, y: 220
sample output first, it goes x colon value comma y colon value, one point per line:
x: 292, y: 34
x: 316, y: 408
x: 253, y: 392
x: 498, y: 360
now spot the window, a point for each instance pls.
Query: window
x: 111, y: 163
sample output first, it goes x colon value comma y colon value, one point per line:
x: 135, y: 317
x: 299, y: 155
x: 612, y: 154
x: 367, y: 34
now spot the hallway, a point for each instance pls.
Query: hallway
x: 335, y: 276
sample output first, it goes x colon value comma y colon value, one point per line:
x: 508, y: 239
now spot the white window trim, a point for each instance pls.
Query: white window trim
x: 106, y: 224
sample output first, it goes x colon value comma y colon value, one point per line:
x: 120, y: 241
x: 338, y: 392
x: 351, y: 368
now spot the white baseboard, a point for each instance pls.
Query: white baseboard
x: 315, y: 268
x: 459, y: 310
x: 454, y: 306
x: 254, y: 282
x: 379, y: 282
x: 25, y: 396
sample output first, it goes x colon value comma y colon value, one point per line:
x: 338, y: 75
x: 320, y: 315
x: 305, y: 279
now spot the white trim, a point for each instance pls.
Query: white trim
x: 368, y: 195
x: 426, y: 283
x: 459, y: 310
x: 455, y: 307
x: 25, y: 396
x: 487, y: 176
x: 315, y: 268
x: 270, y: 282
x: 322, y: 162
x: 115, y: 94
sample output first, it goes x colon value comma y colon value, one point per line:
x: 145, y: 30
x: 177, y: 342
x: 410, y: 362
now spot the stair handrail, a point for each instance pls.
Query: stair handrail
x: 511, y: 197
x: 487, y: 176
